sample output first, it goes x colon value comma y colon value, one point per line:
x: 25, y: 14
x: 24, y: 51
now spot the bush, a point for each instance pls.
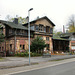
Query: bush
x: 26, y: 54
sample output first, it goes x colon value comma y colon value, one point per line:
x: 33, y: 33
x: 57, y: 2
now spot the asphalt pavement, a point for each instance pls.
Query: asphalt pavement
x: 62, y: 69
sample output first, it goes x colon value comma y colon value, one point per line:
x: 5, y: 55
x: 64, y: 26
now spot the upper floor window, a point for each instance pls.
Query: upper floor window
x: 26, y: 33
x: 41, y: 27
x: 32, y: 27
x: 36, y: 27
x: 23, y: 31
x: 51, y: 30
x: 44, y: 29
x: 47, y: 29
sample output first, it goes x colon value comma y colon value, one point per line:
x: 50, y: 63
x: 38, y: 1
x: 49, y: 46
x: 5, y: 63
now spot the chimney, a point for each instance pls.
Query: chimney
x: 63, y: 29
x: 15, y: 20
x: 27, y: 19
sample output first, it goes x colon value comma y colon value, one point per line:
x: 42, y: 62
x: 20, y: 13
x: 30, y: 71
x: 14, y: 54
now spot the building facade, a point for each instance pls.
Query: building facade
x: 16, y: 35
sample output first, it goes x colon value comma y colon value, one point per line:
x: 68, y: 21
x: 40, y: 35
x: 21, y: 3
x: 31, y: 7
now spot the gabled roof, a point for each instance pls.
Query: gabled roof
x: 45, y: 17
x: 13, y: 25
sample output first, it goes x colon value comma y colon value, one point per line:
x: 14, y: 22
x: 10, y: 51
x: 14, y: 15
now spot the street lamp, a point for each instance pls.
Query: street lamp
x: 29, y: 31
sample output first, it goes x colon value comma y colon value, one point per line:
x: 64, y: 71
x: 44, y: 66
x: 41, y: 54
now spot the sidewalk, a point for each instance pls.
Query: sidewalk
x: 10, y: 62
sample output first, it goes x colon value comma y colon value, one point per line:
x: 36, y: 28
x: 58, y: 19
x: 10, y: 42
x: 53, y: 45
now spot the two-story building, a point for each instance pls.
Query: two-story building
x: 16, y: 35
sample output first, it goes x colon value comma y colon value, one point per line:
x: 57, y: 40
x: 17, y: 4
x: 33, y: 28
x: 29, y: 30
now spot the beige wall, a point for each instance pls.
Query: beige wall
x: 44, y: 22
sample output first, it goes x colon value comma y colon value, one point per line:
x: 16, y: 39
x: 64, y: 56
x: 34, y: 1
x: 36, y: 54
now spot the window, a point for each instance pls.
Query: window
x: 40, y: 27
x: 23, y: 31
x: 32, y: 27
x: 72, y: 47
x: 44, y: 29
x: 0, y: 48
x: 51, y: 30
x: 26, y: 33
x: 47, y: 38
x: 10, y: 46
x: 23, y: 46
x: 20, y: 46
x: 72, y: 38
x: 36, y: 28
x: 20, y: 32
x: 47, y: 29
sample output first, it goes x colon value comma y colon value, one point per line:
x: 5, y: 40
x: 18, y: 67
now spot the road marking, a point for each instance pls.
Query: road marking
x: 62, y: 62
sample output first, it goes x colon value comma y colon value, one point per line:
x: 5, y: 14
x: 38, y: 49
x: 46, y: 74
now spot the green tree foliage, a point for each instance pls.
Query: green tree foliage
x: 1, y: 35
x: 37, y: 44
x: 71, y: 23
x: 56, y: 33
x: 1, y: 38
x: 20, y: 19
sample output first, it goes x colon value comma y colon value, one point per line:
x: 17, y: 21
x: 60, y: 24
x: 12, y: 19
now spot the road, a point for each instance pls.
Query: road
x: 61, y: 69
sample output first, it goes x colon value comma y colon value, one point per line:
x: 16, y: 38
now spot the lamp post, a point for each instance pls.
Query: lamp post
x: 29, y: 31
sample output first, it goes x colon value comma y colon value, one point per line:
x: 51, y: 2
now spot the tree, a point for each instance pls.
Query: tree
x: 56, y: 33
x: 1, y: 36
x: 37, y: 44
x: 20, y: 19
x: 71, y: 23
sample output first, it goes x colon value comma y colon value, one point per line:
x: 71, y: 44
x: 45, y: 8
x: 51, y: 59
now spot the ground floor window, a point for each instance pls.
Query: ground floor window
x: 0, y: 48
x: 22, y: 47
x: 47, y: 38
x: 73, y: 47
x: 47, y: 46
x: 10, y: 46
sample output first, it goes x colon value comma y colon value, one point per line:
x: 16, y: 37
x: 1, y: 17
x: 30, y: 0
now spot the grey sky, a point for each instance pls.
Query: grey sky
x: 56, y: 10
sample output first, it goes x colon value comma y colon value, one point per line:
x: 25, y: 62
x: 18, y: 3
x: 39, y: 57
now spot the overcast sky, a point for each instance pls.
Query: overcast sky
x: 56, y: 10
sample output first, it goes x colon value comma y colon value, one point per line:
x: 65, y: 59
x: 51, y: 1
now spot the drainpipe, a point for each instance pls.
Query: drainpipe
x: 15, y: 42
x: 5, y: 46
